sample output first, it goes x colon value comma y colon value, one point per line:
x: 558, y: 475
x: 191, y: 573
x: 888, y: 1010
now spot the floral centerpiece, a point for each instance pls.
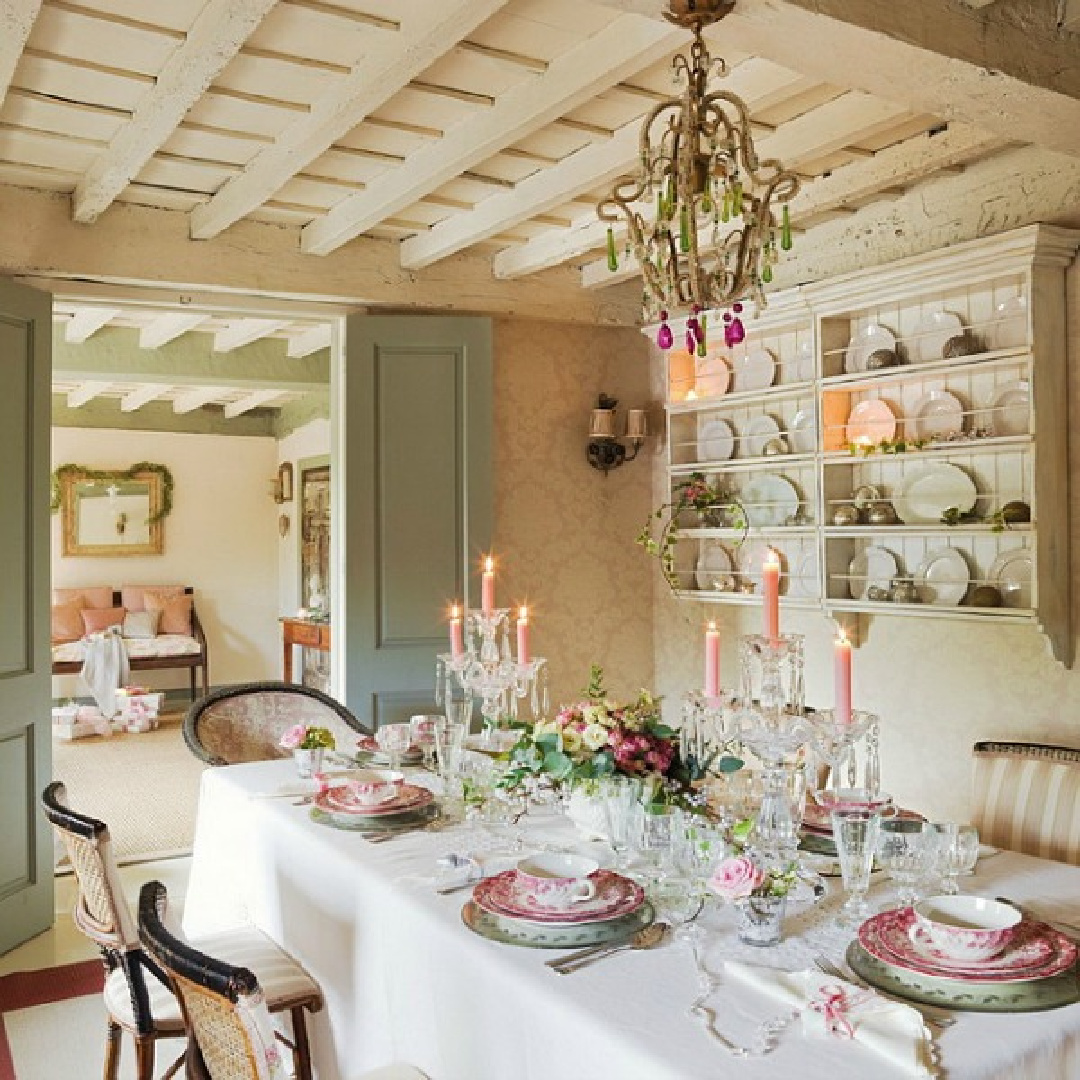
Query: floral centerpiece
x: 758, y: 892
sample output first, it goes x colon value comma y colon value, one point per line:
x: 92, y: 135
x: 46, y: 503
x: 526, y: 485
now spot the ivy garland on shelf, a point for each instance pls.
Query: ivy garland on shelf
x: 81, y: 472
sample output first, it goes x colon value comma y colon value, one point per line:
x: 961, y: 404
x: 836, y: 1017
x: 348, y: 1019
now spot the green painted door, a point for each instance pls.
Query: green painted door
x: 26, y: 852
x: 415, y: 423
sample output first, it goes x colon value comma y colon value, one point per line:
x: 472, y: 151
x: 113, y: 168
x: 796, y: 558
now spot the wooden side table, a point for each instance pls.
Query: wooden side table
x: 304, y: 632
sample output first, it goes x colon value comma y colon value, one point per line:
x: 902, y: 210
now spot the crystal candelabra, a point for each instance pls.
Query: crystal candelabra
x: 835, y: 740
x: 706, y: 732
x: 486, y: 669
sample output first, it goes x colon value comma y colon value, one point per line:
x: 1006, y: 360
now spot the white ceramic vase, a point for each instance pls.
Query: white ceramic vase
x: 586, y: 811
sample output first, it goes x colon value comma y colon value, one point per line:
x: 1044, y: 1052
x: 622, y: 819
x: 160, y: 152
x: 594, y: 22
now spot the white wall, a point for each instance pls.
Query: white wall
x: 221, y: 538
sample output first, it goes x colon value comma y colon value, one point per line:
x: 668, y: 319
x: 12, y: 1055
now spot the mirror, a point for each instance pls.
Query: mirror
x: 110, y: 513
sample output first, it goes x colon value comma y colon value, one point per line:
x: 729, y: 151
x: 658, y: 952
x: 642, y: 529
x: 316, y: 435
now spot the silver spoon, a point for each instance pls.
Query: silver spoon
x: 648, y: 937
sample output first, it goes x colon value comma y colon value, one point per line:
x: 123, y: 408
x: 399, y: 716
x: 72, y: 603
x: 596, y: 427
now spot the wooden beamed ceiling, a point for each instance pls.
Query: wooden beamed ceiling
x: 485, y: 125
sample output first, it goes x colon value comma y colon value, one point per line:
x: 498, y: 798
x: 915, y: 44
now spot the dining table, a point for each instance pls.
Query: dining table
x: 405, y: 980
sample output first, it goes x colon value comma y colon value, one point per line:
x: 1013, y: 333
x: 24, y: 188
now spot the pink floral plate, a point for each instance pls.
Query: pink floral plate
x: 615, y: 897
x: 339, y: 800
x: 1035, y: 951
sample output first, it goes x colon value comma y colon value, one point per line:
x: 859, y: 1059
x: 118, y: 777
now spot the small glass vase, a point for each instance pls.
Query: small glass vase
x: 761, y: 919
x: 308, y: 762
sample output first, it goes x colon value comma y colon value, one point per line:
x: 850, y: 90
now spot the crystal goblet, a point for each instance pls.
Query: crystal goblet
x: 393, y: 740
x: 422, y: 732
x: 620, y: 799
x: 905, y: 851
x: 856, y: 820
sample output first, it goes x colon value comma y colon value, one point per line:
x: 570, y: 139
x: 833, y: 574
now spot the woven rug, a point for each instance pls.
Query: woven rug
x: 144, y: 787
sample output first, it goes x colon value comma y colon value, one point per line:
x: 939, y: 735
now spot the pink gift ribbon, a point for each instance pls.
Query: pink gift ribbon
x: 834, y: 1002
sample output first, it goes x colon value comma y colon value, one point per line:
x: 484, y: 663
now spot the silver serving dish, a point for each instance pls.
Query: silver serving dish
x: 533, y: 935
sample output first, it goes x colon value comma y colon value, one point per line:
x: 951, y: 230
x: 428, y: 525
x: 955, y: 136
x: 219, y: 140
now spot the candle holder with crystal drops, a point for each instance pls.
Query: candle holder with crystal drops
x: 849, y: 747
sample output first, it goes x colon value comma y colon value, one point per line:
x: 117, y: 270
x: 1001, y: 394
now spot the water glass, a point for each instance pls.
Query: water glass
x: 967, y: 848
x: 393, y: 740
x: 957, y: 851
x: 855, y: 830
x: 422, y: 729
x: 657, y: 825
x: 620, y: 799
x: 905, y: 851
x: 449, y: 748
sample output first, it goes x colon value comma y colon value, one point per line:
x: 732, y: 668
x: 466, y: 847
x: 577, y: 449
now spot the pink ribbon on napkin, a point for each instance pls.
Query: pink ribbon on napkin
x: 834, y: 1002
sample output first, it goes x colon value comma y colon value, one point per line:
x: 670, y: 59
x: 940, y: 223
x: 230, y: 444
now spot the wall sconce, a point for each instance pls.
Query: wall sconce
x: 283, y: 483
x: 605, y: 451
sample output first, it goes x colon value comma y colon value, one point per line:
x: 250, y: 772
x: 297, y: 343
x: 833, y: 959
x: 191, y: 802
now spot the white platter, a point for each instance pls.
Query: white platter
x: 802, y: 434
x: 1010, y: 409
x: 769, y: 500
x: 943, y: 578
x: 714, y: 572
x: 1011, y: 572
x: 1010, y: 330
x: 927, y: 493
x: 936, y: 415
x: 866, y: 340
x: 712, y: 375
x: 871, y: 421
x: 715, y: 439
x: 750, y: 558
x: 758, y: 434
x: 755, y: 369
x: 872, y: 568
x: 934, y: 329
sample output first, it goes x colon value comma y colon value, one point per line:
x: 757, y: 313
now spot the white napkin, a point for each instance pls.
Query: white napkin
x: 895, y: 1031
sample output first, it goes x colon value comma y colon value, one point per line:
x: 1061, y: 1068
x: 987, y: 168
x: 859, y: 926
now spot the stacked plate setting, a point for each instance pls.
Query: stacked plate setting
x: 340, y: 806
x: 503, y: 909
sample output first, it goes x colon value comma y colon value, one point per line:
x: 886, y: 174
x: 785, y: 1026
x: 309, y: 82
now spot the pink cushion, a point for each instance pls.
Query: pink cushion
x: 67, y: 623
x: 133, y: 597
x: 95, y: 619
x: 98, y: 597
x: 175, y: 612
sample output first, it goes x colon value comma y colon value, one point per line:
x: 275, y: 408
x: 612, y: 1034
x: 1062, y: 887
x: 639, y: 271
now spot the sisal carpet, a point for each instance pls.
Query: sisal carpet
x: 144, y: 787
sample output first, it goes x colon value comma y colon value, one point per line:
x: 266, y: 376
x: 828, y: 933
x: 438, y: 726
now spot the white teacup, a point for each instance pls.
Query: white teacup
x: 370, y: 787
x: 557, y: 879
x: 964, y: 927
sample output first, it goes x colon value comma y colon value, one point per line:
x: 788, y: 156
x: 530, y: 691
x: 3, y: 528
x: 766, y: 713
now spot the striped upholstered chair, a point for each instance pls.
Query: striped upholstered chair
x: 1026, y: 797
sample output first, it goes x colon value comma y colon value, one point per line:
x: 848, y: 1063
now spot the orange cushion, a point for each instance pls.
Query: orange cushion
x: 99, y: 597
x: 133, y: 597
x: 67, y: 623
x: 175, y: 612
x: 96, y: 619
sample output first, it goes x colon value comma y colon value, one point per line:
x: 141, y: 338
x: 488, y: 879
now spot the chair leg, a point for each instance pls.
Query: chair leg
x: 144, y: 1057
x: 191, y: 673
x: 301, y: 1047
x: 112, y: 1051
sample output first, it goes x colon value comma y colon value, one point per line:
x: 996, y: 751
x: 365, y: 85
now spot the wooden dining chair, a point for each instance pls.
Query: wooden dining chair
x: 139, y: 998
x: 245, y: 722
x: 1026, y: 797
x: 223, y: 1004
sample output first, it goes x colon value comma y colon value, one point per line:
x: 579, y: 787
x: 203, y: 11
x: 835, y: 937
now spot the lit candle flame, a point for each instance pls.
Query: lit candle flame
x: 489, y: 564
x: 523, y: 613
x: 772, y: 559
x: 455, y: 612
x: 712, y: 627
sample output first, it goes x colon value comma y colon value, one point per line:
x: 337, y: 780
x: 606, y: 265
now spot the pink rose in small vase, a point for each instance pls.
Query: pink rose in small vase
x: 736, y: 878
x: 293, y: 737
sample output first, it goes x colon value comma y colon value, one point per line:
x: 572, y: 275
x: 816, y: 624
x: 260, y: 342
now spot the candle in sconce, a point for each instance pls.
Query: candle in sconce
x: 712, y: 661
x: 487, y: 586
x: 770, y: 591
x: 842, y: 679
x: 523, y: 635
x: 457, y: 633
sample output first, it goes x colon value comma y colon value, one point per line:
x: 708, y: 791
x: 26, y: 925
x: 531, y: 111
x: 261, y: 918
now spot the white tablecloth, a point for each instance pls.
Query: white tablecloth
x: 404, y: 980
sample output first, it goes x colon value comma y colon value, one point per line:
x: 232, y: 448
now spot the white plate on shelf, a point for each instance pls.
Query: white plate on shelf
x: 712, y: 375
x: 715, y: 439
x: 802, y: 367
x: 1010, y: 409
x: 934, y: 329
x: 870, y: 422
x: 926, y: 493
x: 803, y: 580
x: 866, y: 340
x: 769, y: 500
x: 802, y: 435
x: 1010, y: 329
x: 872, y: 568
x: 751, y: 556
x: 936, y: 415
x: 943, y: 578
x: 714, y: 572
x: 755, y: 369
x: 758, y: 434
x: 1011, y: 573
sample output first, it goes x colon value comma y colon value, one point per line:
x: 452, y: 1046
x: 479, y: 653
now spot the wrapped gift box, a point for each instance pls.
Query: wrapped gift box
x: 79, y: 721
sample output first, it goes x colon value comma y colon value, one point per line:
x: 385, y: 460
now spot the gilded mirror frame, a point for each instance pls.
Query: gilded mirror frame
x: 73, y: 544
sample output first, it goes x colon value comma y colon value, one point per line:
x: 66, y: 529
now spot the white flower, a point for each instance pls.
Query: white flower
x: 571, y: 742
x: 594, y: 715
x: 595, y: 737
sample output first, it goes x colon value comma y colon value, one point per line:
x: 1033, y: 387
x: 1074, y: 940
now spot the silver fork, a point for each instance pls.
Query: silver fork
x: 931, y: 1014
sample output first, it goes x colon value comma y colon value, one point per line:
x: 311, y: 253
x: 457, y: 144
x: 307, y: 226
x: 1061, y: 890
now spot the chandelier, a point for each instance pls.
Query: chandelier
x: 699, y: 211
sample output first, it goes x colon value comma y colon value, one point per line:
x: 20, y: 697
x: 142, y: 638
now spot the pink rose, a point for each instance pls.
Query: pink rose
x: 292, y: 738
x: 736, y: 878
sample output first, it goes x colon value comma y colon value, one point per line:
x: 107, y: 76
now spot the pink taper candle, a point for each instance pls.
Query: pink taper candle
x: 842, y: 691
x: 457, y: 633
x: 712, y: 661
x: 523, y: 635
x: 487, y: 587
x: 770, y: 590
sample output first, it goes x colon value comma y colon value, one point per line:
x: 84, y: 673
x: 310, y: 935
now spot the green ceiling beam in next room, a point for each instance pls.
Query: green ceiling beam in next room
x: 159, y: 416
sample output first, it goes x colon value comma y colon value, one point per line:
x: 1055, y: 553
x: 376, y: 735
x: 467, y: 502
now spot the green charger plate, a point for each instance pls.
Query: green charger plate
x: 540, y: 936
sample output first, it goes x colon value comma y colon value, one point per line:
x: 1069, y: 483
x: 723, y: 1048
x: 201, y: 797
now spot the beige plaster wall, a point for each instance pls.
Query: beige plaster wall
x: 564, y: 532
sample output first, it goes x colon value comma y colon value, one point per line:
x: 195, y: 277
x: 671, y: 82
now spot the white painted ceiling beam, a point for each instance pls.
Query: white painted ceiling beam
x: 169, y: 326
x: 254, y: 400
x: 310, y: 341
x: 86, y: 392
x: 216, y: 37
x: 627, y: 45
x: 244, y: 332
x: 16, y: 21
x: 195, y: 399
x: 86, y: 322
x: 427, y: 31
x: 136, y: 399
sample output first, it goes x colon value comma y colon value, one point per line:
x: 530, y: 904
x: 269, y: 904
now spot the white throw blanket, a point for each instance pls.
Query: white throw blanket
x: 105, y: 669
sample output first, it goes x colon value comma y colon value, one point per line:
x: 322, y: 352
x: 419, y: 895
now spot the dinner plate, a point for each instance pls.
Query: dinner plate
x: 803, y: 581
x: 802, y: 433
x: 755, y: 369
x: 413, y: 819
x: 715, y: 439
x: 1011, y: 573
x: 533, y: 935
x: 616, y: 896
x: 937, y: 415
x: 1010, y: 329
x: 714, y: 572
x: 943, y: 578
x: 868, y: 339
x: 934, y: 329
x: 769, y: 500
x: 926, y: 493
x: 872, y: 568
x: 871, y: 421
x: 336, y: 800
x: 711, y: 375
x: 1010, y: 409
x: 750, y: 559
x: 802, y: 368
x: 758, y: 433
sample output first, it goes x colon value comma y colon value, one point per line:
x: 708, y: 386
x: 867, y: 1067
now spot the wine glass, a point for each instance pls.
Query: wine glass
x: 856, y: 820
x: 619, y: 798
x: 657, y: 827
x: 393, y: 741
x: 449, y: 748
x: 957, y: 852
x: 422, y: 730
x: 904, y: 850
x: 967, y: 848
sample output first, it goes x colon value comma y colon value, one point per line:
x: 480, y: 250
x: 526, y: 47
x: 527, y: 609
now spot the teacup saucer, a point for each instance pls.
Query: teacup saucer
x: 615, y: 896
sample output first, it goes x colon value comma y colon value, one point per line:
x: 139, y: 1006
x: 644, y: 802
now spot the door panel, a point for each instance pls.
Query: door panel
x: 416, y: 412
x: 26, y: 862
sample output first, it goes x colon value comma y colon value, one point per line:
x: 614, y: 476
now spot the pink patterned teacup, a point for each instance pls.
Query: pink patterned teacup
x: 968, y: 928
x: 557, y: 879
x: 370, y: 787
